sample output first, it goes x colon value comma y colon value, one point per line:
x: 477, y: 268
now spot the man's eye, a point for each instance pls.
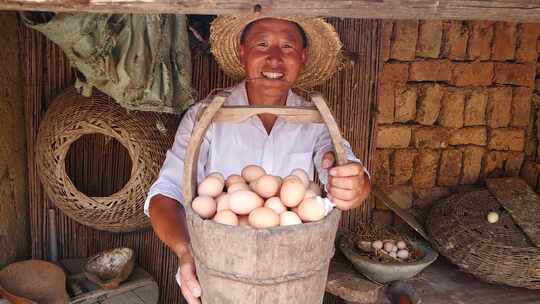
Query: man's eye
x: 263, y: 44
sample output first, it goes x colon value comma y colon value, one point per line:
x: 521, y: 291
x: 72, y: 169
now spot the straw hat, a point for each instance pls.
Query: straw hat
x: 324, y: 47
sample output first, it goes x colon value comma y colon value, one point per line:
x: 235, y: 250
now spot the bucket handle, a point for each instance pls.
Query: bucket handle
x: 216, y: 112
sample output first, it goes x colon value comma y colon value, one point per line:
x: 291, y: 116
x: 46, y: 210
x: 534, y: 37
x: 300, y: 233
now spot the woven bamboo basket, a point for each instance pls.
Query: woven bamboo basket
x: 497, y: 253
x: 281, y: 265
x: 145, y: 135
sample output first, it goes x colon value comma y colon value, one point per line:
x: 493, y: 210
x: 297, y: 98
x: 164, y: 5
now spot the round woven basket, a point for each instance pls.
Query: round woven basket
x: 497, y: 253
x: 145, y: 135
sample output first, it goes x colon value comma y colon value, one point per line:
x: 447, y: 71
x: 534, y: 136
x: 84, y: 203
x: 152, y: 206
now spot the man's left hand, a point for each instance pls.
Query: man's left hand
x: 348, y: 185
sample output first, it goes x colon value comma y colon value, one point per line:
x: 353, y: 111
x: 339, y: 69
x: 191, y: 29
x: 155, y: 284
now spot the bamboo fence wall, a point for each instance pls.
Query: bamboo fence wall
x: 351, y: 95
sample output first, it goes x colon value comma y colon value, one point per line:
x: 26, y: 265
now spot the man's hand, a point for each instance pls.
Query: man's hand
x: 348, y: 185
x: 191, y: 290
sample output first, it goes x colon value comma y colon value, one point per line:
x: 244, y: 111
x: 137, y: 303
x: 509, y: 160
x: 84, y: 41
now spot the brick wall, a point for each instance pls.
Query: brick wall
x: 454, y: 106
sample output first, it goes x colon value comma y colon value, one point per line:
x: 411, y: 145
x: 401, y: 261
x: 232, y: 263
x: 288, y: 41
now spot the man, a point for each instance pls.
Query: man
x: 272, y: 55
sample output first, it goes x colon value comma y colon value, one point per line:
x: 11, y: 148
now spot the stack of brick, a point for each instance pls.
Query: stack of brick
x: 454, y: 105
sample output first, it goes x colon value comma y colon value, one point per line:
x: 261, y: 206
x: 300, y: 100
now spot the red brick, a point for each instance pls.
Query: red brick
x: 469, y: 136
x: 429, y: 39
x: 527, y: 42
x: 499, y: 107
x: 433, y: 70
x: 403, y: 162
x: 388, y: 27
x: 515, y: 74
x: 450, y: 168
x: 521, y: 107
x: 393, y: 136
x: 475, y: 109
x: 513, y: 163
x: 381, y: 167
x: 504, y: 41
x: 431, y: 137
x: 427, y: 197
x: 480, y: 41
x: 386, y: 104
x: 404, y: 44
x: 472, y: 74
x: 429, y: 104
x: 458, y: 34
x: 405, y: 103
x: 494, y: 164
x: 395, y: 73
x: 452, y: 109
x: 507, y: 139
x: 472, y: 164
x: 425, y: 169
x: 529, y: 173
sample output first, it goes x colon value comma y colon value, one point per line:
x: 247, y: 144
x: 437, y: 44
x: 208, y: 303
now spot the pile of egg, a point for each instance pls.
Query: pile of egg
x: 259, y: 200
x: 397, y: 250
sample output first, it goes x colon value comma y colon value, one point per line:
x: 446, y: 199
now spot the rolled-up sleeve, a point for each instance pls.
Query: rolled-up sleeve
x: 169, y: 181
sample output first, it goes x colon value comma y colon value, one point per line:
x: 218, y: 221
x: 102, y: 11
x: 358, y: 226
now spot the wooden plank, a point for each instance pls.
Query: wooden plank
x: 521, y: 202
x: 510, y: 10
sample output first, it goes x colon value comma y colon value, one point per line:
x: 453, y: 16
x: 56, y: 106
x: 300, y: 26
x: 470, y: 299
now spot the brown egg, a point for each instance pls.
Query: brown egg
x: 204, y: 206
x: 237, y: 186
x: 233, y: 179
x: 226, y: 217
x: 210, y: 186
x: 302, y: 174
x: 315, y: 188
x: 244, y: 201
x: 218, y: 175
x: 223, y: 201
x: 263, y: 217
x: 275, y: 204
x: 311, y: 209
x: 292, y: 191
x: 266, y: 186
x: 243, y: 221
x: 252, y: 172
x: 289, y: 218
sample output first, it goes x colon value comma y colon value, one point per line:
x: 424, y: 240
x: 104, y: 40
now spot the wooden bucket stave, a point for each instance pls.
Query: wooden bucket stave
x: 281, y: 265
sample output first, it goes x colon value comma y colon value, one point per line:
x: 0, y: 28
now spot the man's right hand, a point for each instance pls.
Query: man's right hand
x: 189, y: 285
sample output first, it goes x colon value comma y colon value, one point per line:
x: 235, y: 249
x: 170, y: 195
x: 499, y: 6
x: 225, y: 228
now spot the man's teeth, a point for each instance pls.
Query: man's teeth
x: 272, y: 75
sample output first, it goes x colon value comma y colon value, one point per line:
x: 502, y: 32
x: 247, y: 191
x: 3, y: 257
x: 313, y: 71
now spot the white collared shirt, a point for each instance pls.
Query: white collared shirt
x: 229, y: 147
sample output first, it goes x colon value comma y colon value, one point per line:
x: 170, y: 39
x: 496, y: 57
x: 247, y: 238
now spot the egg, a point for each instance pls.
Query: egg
x: 403, y: 254
x: 493, y: 217
x: 266, y: 186
x: 377, y: 245
x: 252, y: 172
x: 233, y: 179
x: 311, y: 209
x: 401, y: 245
x: 309, y: 193
x: 244, y: 201
x: 302, y: 174
x: 243, y: 221
x: 204, y: 206
x: 275, y: 204
x: 226, y: 217
x: 210, y: 186
x: 315, y: 188
x: 263, y: 217
x: 237, y: 186
x: 292, y: 191
x: 223, y: 201
x: 388, y: 247
x: 217, y: 175
x: 393, y: 254
x: 288, y: 218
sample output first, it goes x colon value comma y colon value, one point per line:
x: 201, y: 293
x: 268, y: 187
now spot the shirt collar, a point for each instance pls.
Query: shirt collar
x: 239, y: 97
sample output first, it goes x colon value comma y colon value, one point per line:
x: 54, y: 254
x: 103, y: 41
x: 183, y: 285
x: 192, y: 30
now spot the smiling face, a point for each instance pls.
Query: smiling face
x: 273, y: 55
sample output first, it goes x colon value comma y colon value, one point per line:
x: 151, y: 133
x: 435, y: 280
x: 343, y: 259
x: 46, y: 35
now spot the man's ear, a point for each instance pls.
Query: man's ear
x: 241, y: 52
x: 304, y: 55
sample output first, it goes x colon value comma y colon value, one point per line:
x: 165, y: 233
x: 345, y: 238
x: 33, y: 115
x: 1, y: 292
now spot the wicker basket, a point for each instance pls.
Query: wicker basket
x: 146, y: 136
x: 497, y: 253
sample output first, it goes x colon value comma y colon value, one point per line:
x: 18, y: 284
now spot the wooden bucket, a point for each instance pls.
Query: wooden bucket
x: 281, y: 265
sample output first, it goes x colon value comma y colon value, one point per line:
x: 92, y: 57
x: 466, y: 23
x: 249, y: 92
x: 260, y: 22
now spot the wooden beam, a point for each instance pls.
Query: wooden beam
x: 508, y: 10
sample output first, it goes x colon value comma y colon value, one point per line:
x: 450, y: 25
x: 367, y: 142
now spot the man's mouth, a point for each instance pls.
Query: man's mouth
x: 273, y: 75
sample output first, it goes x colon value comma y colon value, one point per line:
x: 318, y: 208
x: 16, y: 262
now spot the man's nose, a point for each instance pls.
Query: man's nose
x: 274, y: 54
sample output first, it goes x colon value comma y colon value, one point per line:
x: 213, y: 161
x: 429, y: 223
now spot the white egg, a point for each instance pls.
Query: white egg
x: 252, y: 172
x: 233, y: 179
x: 210, y: 186
x: 275, y: 204
x: 244, y: 201
x: 311, y: 209
x: 393, y: 254
x: 493, y: 217
x: 266, y: 186
x: 237, y: 186
x: 223, y: 201
x: 403, y: 254
x: 388, y: 246
x: 288, y: 218
x: 292, y: 191
x: 226, y: 217
x: 378, y: 245
x: 302, y: 174
x: 204, y: 206
x: 263, y: 217
x: 401, y: 245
